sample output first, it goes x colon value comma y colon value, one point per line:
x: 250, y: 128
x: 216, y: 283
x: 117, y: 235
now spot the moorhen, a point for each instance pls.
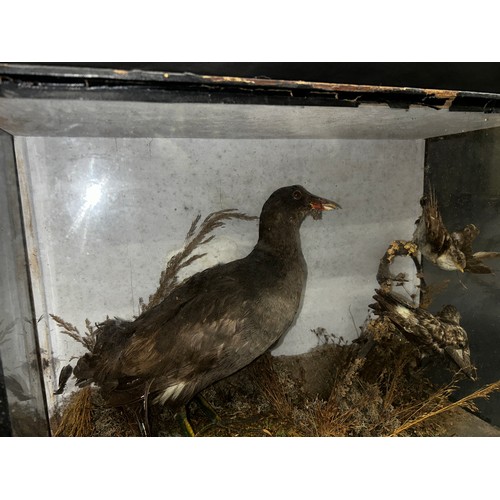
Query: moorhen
x: 214, y: 323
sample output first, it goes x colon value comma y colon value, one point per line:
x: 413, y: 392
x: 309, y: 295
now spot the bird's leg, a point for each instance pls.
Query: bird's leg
x: 143, y: 426
x: 141, y: 412
x: 146, y: 425
x: 207, y: 408
x: 181, y: 417
x: 138, y: 414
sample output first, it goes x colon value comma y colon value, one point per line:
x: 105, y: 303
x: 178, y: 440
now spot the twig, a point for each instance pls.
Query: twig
x: 481, y: 393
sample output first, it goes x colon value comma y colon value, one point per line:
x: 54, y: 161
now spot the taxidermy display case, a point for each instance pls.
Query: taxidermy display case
x: 102, y: 173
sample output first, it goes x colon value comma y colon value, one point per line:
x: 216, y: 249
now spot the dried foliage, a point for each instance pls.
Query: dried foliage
x: 77, y: 418
x: 195, y: 237
x: 274, y: 386
x: 426, y: 411
x: 87, y: 340
x: 374, y: 391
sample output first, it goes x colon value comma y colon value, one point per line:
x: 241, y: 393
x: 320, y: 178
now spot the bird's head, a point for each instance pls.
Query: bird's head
x: 452, y: 260
x: 471, y: 231
x: 450, y: 314
x: 294, y: 203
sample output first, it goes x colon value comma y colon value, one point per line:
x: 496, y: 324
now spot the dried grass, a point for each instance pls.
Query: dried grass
x: 377, y: 389
x: 77, y: 418
x: 378, y: 395
x: 87, y: 340
x: 440, y: 401
x: 272, y: 386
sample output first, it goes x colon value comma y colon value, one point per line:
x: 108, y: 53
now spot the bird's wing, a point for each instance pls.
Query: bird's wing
x: 475, y: 262
x: 414, y: 323
x: 437, y: 234
x: 461, y: 357
x: 456, y: 346
x: 463, y: 239
x: 475, y: 266
x: 427, y: 330
x: 202, y: 328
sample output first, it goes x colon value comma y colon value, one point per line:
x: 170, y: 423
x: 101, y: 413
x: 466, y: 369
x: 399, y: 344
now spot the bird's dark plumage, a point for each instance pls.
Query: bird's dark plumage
x: 215, y: 322
x: 440, y: 333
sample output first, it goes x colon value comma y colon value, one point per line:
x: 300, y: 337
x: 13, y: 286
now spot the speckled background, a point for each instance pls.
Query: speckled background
x: 108, y: 212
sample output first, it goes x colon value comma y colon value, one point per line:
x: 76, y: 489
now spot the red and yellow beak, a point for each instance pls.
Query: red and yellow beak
x: 324, y: 204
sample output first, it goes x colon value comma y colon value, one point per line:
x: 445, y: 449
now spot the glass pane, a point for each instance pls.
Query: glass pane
x: 18, y: 346
x: 464, y: 171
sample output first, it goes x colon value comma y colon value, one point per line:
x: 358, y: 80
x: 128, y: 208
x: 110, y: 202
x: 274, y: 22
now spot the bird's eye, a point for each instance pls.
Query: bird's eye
x: 297, y: 195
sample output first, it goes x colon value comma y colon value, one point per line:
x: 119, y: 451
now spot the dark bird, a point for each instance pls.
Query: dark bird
x: 440, y: 333
x: 214, y: 323
x: 433, y: 239
x: 449, y: 251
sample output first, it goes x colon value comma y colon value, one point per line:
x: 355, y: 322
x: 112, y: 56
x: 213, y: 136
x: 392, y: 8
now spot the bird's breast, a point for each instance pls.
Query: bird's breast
x: 446, y: 262
x: 279, y: 301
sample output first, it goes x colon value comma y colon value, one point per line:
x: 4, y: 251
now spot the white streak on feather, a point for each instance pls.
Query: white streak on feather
x: 170, y: 393
x: 403, y: 311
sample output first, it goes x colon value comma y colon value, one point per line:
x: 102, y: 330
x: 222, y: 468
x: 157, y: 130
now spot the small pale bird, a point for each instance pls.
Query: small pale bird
x: 449, y: 251
x: 433, y: 239
x: 214, y: 323
x: 440, y: 333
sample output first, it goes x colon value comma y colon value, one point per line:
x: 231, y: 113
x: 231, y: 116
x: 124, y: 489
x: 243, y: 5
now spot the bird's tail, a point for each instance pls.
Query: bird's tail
x: 84, y: 370
x: 461, y: 357
x: 387, y: 302
x: 486, y: 255
x: 110, y: 336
